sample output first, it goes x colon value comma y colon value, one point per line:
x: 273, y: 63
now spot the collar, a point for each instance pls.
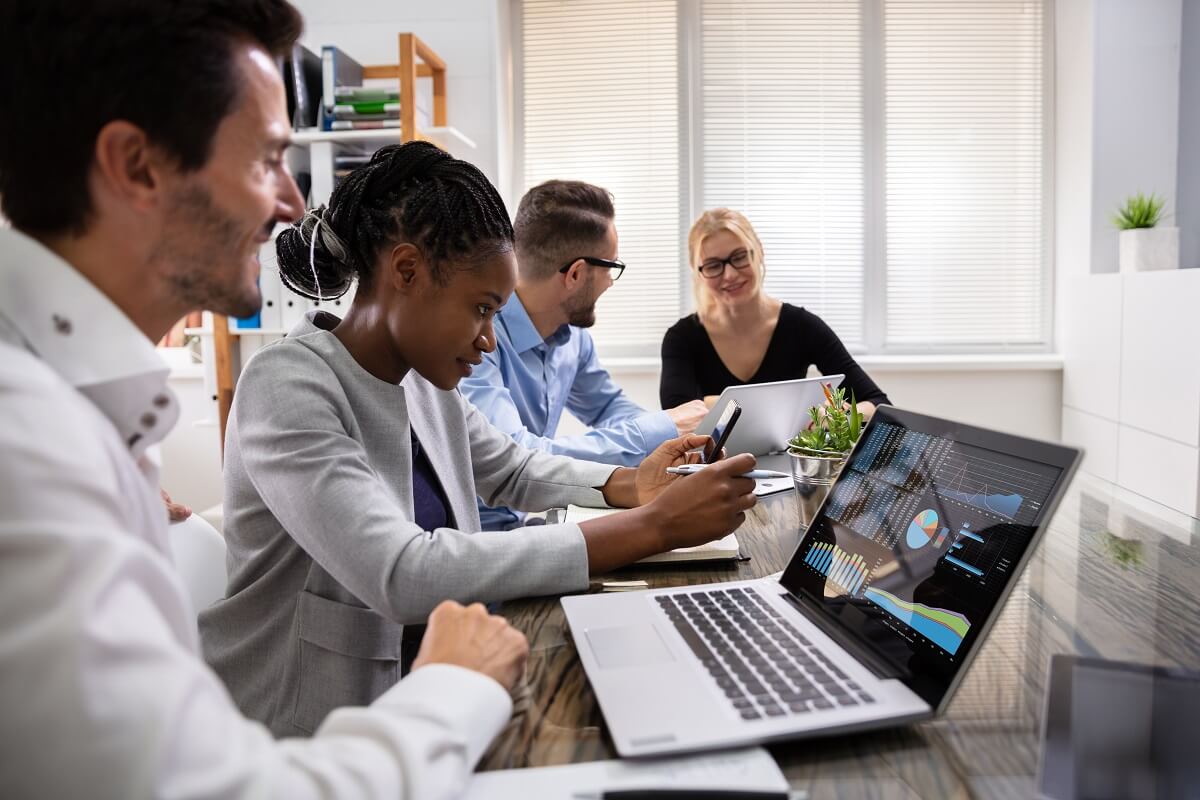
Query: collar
x: 521, y: 331
x: 79, y: 333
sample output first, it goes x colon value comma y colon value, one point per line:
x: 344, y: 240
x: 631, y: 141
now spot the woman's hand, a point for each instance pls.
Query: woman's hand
x: 686, y: 510
x: 652, y: 476
x: 706, y: 505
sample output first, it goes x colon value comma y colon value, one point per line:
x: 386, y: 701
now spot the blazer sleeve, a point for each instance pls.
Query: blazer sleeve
x: 680, y: 381
x: 832, y: 357
x: 291, y: 420
x: 528, y: 479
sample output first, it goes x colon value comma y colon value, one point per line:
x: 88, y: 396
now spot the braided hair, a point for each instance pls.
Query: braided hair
x: 412, y: 192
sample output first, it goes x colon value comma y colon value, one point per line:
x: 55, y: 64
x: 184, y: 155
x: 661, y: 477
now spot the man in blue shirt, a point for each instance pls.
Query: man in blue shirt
x: 545, y: 360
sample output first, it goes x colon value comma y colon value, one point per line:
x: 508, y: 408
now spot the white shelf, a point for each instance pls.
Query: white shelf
x: 443, y: 136
x: 448, y: 135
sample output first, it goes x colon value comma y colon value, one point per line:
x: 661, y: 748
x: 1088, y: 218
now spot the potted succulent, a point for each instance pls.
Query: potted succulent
x: 1144, y: 245
x: 819, y: 452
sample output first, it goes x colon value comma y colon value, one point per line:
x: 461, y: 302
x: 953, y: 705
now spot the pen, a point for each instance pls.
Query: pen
x: 757, y: 474
x: 692, y: 794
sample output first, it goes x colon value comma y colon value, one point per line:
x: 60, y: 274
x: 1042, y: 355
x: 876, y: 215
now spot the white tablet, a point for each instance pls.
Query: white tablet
x: 772, y: 413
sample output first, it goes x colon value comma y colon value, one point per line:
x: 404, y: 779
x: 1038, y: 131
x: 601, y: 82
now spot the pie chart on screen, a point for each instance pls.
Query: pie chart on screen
x: 923, y: 528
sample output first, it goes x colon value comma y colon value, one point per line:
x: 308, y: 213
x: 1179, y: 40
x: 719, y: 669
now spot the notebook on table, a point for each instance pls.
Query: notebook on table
x: 723, y: 549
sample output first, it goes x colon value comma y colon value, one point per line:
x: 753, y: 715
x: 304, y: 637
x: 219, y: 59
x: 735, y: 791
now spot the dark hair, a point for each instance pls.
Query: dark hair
x: 70, y: 68
x: 412, y: 192
x: 558, y: 221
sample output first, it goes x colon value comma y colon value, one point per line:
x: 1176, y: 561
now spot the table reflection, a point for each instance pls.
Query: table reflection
x: 1115, y: 577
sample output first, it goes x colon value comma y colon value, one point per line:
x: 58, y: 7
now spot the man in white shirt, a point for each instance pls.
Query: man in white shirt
x: 145, y: 172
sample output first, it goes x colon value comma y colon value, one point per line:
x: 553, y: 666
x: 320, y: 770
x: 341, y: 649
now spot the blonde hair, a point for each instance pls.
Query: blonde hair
x: 713, y: 221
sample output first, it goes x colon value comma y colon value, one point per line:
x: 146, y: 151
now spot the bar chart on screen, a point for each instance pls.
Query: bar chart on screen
x: 847, y: 571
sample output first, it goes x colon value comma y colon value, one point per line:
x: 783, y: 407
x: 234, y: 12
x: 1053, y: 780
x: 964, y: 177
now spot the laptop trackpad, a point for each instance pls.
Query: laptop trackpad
x: 628, y: 646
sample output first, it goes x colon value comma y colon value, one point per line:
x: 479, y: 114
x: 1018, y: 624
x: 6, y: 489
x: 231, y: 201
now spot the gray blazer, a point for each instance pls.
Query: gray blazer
x: 325, y: 564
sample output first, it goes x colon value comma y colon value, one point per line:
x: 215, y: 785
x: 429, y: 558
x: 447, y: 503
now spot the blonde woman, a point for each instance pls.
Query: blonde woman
x: 739, y: 333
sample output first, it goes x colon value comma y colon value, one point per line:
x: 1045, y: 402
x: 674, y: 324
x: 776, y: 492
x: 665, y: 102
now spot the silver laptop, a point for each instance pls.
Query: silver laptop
x: 884, y: 603
x: 772, y: 413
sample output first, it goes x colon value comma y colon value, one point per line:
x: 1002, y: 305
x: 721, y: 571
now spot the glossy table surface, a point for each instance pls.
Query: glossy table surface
x: 1116, y: 576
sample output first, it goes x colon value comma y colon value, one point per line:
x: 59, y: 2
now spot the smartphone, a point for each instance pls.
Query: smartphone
x: 720, y: 432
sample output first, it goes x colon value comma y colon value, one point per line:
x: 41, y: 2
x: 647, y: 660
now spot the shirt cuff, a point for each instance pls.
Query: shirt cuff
x: 656, y: 428
x: 471, y: 703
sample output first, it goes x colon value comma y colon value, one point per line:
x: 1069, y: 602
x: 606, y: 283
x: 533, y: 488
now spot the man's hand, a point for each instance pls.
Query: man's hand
x: 176, y: 512
x: 471, y: 638
x: 705, y: 505
x: 652, y: 476
x: 687, y: 416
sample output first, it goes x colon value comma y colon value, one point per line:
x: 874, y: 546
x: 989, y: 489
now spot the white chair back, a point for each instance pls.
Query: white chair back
x: 199, y: 553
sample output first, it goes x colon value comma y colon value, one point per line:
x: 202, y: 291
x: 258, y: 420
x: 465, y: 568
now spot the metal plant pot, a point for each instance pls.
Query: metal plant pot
x: 813, y: 475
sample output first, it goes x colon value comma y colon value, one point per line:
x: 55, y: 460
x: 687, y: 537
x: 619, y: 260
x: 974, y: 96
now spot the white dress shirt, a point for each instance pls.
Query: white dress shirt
x: 103, y: 693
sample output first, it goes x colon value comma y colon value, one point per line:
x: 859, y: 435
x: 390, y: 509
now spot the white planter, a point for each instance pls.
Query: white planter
x: 1144, y: 249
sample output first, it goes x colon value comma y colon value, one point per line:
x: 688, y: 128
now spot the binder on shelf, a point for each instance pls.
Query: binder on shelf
x: 292, y: 307
x: 272, y: 293
x: 337, y: 69
x: 364, y: 94
x: 360, y: 124
x: 302, y: 79
x: 254, y: 321
x: 208, y: 357
x: 357, y: 110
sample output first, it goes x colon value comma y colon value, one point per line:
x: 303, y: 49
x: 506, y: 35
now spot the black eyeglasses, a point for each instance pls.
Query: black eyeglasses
x: 715, y: 267
x: 618, y: 267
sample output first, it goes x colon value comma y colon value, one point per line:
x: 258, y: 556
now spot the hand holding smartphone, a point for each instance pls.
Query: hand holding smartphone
x: 720, y: 432
x: 717, y: 439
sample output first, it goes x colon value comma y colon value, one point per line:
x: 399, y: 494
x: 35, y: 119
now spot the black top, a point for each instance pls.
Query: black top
x: 691, y: 368
x: 430, y: 507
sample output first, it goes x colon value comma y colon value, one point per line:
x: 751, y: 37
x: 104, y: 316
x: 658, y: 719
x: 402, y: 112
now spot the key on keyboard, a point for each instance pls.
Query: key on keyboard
x: 763, y: 665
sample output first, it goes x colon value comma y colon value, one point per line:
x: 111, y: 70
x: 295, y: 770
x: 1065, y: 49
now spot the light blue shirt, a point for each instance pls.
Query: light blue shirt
x: 526, y: 383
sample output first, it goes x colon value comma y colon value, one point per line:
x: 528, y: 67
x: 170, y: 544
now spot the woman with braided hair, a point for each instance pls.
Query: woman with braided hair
x: 352, y: 463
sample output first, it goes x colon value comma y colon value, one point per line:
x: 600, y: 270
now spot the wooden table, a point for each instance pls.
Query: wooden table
x: 1116, y: 576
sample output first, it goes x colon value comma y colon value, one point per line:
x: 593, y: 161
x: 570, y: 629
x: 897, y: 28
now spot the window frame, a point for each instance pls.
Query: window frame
x: 874, y: 299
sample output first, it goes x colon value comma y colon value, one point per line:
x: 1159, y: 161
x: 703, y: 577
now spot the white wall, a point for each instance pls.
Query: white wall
x: 1131, y: 377
x: 1135, y: 123
x: 1021, y: 396
x: 1188, y: 184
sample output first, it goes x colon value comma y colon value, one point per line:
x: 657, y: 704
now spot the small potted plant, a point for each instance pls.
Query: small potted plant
x: 819, y: 452
x: 1144, y: 245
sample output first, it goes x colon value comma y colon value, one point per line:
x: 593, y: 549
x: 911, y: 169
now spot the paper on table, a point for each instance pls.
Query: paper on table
x: 752, y: 768
x: 725, y: 548
x: 579, y: 514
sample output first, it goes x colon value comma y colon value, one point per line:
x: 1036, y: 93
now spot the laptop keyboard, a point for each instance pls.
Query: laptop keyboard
x: 765, y: 667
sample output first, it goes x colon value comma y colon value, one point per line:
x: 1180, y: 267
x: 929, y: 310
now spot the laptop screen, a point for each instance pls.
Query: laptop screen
x: 922, y: 536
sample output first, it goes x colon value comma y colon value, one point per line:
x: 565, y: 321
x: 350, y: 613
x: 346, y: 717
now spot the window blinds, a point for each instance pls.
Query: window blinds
x: 964, y: 187
x: 782, y: 142
x: 890, y: 153
x: 601, y: 104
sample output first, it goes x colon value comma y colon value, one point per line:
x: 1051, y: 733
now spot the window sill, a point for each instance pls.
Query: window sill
x: 1008, y: 362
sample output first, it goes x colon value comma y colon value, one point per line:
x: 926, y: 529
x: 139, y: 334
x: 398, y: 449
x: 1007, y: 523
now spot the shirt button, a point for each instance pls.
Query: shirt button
x: 161, y: 401
x: 149, y: 420
x: 62, y: 325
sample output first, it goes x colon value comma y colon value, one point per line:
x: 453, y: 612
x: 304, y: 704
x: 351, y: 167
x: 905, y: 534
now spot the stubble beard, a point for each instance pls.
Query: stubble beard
x: 198, y: 257
x: 583, y: 314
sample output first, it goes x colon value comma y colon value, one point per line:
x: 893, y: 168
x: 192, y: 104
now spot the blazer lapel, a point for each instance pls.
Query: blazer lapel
x: 442, y: 433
